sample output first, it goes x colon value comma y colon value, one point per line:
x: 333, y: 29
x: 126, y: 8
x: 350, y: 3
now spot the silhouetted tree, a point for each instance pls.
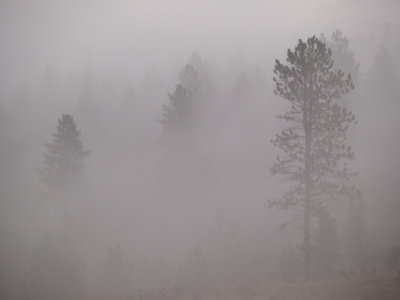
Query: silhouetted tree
x: 315, y: 153
x: 63, y: 162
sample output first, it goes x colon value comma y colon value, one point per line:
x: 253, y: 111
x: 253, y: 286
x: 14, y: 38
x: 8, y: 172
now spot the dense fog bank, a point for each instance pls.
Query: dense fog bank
x: 170, y: 110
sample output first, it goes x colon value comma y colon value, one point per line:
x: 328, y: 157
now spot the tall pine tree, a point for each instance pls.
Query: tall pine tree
x: 315, y: 154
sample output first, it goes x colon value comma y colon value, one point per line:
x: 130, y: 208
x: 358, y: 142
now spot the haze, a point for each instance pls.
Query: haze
x: 188, y: 215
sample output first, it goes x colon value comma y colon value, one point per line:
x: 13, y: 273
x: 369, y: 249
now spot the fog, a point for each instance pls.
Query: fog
x: 179, y: 208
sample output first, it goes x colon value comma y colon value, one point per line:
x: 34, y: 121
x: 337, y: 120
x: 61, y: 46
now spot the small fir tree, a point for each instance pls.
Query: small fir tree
x: 63, y: 163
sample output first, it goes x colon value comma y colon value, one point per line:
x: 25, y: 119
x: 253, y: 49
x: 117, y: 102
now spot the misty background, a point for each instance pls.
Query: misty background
x: 192, y: 213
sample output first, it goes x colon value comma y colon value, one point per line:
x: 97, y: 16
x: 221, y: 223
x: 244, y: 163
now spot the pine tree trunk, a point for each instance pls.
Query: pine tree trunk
x: 307, y: 187
x: 306, y: 236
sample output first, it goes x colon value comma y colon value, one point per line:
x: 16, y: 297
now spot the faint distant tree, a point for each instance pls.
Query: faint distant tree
x: 129, y: 95
x: 49, y: 88
x: 88, y: 93
x: 190, y: 79
x: 259, y: 81
x: 193, y: 275
x: 3, y: 287
x: 315, y: 154
x: 197, y: 62
x: 63, y: 163
x: 86, y: 105
x: 204, y: 70
x: 290, y: 263
x: 224, y: 236
x: 116, y: 274
x: 355, y: 229
x: 22, y: 99
x: 179, y: 115
x: 55, y: 272
x: 152, y: 85
x: 343, y: 55
x: 392, y: 258
x: 189, y: 103
x: 381, y: 93
x: 242, y: 90
x: 382, y: 79
x: 326, y: 244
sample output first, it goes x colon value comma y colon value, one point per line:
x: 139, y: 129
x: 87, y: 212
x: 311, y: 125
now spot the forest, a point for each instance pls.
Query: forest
x: 159, y: 150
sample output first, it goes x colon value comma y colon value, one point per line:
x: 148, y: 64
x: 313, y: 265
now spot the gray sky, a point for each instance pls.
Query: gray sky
x: 132, y: 199
x: 140, y: 34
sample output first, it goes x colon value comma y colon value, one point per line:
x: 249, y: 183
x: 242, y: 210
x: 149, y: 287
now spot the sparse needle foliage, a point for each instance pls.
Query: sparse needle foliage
x: 313, y: 144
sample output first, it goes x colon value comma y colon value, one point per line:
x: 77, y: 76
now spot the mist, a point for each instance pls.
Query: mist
x: 172, y: 109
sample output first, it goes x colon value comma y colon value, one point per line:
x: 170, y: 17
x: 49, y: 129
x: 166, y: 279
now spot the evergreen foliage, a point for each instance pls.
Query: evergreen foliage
x: 382, y: 78
x: 315, y: 154
x: 343, y: 55
x: 180, y: 115
x: 63, y: 163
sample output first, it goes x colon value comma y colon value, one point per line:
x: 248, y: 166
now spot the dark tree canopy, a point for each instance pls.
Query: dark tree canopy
x: 63, y: 163
x: 315, y: 154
